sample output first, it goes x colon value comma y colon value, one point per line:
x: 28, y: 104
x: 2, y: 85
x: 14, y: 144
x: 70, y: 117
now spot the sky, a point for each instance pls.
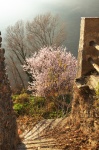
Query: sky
x: 13, y: 10
x: 70, y: 11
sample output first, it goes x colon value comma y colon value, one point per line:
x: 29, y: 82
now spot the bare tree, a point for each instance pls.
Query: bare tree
x: 45, y: 30
x: 23, y: 39
x: 16, y: 41
x: 16, y: 45
x: 12, y: 72
x: 18, y: 82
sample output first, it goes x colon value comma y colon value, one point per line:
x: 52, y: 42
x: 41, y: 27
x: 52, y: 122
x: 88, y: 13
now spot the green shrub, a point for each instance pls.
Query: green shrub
x: 39, y: 101
x: 14, y: 97
x: 21, y: 98
x: 56, y: 114
x: 39, y: 107
x: 36, y: 105
x: 18, y: 108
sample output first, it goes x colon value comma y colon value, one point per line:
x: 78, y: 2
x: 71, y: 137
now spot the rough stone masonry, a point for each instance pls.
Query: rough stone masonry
x: 85, y: 109
x: 89, y: 33
x: 8, y: 127
x: 88, y: 54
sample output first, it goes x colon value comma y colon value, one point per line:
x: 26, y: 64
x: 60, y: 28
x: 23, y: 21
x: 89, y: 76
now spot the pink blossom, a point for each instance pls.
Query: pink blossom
x: 54, y: 70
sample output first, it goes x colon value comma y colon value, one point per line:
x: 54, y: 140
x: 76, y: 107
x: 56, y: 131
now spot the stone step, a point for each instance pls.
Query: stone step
x: 38, y: 127
x: 37, y: 137
x: 39, y: 141
x: 43, y: 145
x: 38, y: 148
x: 36, y: 132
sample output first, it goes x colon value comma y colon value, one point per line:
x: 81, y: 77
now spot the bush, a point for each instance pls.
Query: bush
x: 56, y: 114
x: 18, y: 108
x: 40, y: 107
x: 21, y: 98
x: 21, y: 103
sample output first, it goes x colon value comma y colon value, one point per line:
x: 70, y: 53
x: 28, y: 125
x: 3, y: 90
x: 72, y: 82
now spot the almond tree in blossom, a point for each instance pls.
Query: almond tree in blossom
x: 54, y: 70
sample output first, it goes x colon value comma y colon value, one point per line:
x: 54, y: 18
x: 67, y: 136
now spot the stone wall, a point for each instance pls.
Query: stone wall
x: 85, y: 105
x: 8, y: 127
x: 89, y: 32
